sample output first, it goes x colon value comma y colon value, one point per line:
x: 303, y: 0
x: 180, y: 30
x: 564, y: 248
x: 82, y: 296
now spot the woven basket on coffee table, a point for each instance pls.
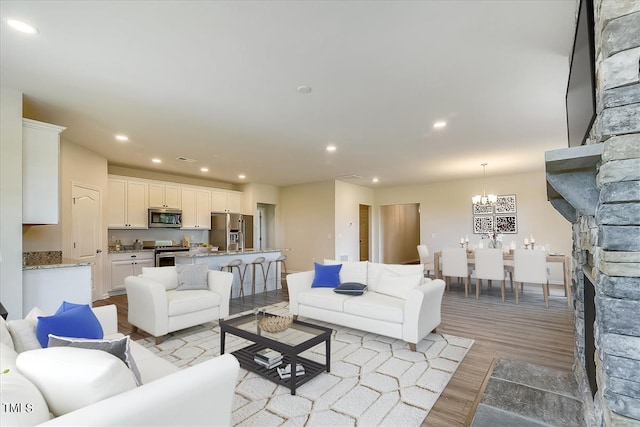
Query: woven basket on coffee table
x: 275, y: 323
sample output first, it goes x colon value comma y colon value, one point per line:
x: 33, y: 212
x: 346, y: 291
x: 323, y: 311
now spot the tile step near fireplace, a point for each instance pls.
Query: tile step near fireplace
x: 526, y: 395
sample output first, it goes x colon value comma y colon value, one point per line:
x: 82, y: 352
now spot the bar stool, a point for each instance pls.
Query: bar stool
x: 280, y: 259
x: 235, y: 263
x: 258, y: 261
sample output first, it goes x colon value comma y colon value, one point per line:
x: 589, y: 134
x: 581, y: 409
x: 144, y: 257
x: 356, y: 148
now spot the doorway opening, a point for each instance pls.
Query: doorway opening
x: 400, y: 231
x: 265, y: 226
x: 364, y: 225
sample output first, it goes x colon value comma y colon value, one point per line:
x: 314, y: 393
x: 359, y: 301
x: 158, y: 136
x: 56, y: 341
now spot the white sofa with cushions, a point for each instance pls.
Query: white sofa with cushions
x: 399, y: 301
x: 83, y: 387
x: 167, y: 299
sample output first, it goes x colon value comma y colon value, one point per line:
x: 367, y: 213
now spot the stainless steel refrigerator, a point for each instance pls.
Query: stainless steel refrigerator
x: 231, y: 231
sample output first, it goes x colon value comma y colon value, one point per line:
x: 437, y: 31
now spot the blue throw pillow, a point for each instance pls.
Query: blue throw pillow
x: 76, y: 322
x: 327, y: 276
x: 66, y: 306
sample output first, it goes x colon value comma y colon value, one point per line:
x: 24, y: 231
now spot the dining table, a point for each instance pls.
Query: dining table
x: 508, y: 258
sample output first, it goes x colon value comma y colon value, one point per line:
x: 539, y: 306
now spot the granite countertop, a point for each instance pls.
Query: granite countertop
x: 198, y: 253
x: 128, y: 250
x: 57, y: 263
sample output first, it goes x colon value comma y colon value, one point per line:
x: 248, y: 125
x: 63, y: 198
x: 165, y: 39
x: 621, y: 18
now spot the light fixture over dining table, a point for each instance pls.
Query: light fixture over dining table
x: 484, y: 199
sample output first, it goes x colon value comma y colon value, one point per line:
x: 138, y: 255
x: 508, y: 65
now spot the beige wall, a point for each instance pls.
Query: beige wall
x: 446, y: 216
x: 306, y: 223
x: 82, y: 166
x: 252, y: 194
x: 11, y: 201
x: 348, y: 198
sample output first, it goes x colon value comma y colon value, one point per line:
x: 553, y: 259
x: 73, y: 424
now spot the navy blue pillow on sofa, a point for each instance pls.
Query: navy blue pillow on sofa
x: 327, y: 276
x: 351, y: 288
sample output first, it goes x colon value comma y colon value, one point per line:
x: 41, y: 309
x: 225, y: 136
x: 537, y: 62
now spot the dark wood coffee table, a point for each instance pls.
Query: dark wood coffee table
x: 290, y: 343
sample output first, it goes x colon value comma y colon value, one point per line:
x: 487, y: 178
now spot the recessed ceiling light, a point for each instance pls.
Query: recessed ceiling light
x: 303, y: 89
x: 439, y: 124
x: 375, y: 180
x: 331, y: 148
x: 204, y: 169
x: 23, y: 27
x: 122, y: 138
x: 242, y: 176
x: 156, y: 160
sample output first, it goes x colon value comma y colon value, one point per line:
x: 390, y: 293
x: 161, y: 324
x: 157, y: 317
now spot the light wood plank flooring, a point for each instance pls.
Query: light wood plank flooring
x: 528, y: 332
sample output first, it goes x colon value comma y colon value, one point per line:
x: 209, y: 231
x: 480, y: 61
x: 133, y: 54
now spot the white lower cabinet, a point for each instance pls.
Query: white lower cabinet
x: 128, y: 264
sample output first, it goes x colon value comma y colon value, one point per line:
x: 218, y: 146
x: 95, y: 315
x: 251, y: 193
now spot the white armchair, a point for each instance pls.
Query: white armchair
x: 157, y: 307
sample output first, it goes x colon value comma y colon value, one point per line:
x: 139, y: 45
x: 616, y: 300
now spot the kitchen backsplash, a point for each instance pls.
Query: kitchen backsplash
x: 41, y: 258
x: 127, y: 237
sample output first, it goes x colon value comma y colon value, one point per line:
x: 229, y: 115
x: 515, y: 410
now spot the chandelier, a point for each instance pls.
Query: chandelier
x: 485, y: 199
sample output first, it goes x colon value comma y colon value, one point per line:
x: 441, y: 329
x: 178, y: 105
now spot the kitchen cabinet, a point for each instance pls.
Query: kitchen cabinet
x: 196, y: 208
x: 128, y: 264
x: 127, y: 204
x: 164, y: 196
x: 40, y: 172
x: 226, y: 201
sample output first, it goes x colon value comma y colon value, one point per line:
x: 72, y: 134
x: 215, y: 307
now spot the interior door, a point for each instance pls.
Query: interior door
x: 86, y: 217
x: 364, y: 233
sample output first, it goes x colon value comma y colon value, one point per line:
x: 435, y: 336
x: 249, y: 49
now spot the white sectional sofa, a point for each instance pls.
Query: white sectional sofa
x: 400, y: 302
x: 198, y: 395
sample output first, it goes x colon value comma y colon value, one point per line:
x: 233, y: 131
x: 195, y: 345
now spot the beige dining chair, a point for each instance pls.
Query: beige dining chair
x: 423, y: 253
x: 530, y: 266
x: 454, y: 264
x: 489, y: 266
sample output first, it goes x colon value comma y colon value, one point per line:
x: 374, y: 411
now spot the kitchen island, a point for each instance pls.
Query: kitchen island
x: 216, y: 258
x: 49, y: 280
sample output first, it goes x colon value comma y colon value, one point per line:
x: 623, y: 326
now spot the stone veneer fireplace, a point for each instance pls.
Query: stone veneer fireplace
x: 597, y: 188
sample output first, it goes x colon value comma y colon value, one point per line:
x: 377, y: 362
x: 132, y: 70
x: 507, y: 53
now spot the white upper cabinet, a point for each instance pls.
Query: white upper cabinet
x: 196, y: 208
x: 127, y: 206
x: 226, y: 201
x: 40, y: 172
x: 164, y: 196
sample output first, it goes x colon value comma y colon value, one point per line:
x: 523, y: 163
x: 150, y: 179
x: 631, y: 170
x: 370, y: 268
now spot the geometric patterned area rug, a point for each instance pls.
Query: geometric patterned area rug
x: 374, y: 380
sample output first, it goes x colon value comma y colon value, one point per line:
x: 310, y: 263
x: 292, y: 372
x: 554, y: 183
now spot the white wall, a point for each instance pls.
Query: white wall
x: 306, y: 223
x: 446, y: 215
x: 348, y: 198
x: 11, y: 201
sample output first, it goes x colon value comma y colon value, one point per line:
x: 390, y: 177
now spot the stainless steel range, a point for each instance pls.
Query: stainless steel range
x: 164, y: 251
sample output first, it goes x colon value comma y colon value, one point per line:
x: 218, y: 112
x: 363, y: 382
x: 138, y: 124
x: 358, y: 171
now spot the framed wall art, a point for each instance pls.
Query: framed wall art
x: 506, y: 224
x: 482, y: 210
x: 482, y: 224
x: 506, y: 204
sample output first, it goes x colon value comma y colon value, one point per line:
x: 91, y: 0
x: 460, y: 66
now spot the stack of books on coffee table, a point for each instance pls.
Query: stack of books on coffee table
x: 268, y: 358
x: 285, y: 371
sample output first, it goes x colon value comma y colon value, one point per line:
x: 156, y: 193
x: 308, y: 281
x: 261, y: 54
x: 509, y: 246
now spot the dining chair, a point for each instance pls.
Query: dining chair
x: 423, y: 253
x: 454, y: 264
x: 489, y: 266
x: 530, y: 266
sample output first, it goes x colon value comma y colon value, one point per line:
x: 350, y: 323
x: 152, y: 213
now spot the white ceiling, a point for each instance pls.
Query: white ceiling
x: 216, y: 81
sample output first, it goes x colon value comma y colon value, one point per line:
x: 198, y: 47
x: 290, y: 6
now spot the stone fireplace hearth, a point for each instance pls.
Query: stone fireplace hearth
x: 597, y: 188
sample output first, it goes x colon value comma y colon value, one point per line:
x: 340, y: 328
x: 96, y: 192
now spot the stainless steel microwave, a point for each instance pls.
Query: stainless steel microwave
x: 165, y: 218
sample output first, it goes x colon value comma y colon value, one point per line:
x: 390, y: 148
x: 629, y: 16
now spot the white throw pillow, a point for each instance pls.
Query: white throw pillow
x: 398, y: 286
x: 5, y: 335
x: 351, y: 272
x: 22, y: 402
x: 165, y: 275
x: 23, y: 331
x: 192, y: 276
x: 71, y: 378
x: 374, y: 272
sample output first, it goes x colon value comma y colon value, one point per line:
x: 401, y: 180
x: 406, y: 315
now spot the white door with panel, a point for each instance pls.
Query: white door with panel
x: 86, y: 218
